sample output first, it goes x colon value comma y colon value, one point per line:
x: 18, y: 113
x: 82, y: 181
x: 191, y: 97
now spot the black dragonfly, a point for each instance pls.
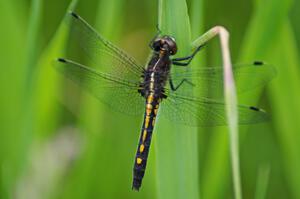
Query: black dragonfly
x: 128, y: 87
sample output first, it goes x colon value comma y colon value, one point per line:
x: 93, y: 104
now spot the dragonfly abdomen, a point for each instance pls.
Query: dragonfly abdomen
x: 141, y: 157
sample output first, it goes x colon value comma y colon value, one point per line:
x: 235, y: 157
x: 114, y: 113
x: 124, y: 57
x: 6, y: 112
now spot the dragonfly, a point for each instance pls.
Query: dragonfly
x: 119, y: 81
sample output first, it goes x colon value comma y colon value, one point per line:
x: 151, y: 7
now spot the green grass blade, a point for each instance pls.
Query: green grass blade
x: 283, y: 89
x: 258, y: 41
x: 262, y: 182
x: 101, y: 139
x: 174, y: 20
x: 47, y: 81
x: 176, y: 147
x: 31, y: 59
x: 33, y: 36
x: 30, y: 66
x: 215, y: 171
x: 11, y: 86
x: 197, y: 28
x: 41, y: 84
x: 284, y: 99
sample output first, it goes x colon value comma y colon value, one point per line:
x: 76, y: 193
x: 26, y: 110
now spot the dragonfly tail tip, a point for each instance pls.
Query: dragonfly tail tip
x: 135, y: 188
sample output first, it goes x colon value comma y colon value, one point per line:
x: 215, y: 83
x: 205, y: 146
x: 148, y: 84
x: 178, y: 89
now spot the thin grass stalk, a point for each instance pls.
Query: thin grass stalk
x: 230, y: 100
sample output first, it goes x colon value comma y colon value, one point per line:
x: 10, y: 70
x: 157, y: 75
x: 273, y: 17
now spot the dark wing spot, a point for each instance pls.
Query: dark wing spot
x: 258, y: 63
x: 62, y: 60
x: 254, y: 108
x: 74, y: 14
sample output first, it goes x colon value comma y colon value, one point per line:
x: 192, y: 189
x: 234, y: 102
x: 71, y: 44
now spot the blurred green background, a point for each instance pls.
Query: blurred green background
x: 57, y: 141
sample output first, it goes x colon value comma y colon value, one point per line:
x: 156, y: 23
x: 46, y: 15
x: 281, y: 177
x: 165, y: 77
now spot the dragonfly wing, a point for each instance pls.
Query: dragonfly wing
x: 205, y: 112
x: 101, y: 53
x: 208, y: 82
x: 120, y: 94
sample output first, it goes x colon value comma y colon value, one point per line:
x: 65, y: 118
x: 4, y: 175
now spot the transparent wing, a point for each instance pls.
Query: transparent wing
x: 208, y: 82
x: 100, y: 53
x: 194, y: 103
x: 120, y: 94
x: 204, y: 112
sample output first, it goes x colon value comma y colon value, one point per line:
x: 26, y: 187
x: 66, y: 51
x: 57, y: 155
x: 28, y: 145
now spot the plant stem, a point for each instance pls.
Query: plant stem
x: 230, y: 100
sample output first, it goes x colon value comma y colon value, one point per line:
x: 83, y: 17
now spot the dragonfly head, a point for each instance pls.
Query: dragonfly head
x: 165, y: 43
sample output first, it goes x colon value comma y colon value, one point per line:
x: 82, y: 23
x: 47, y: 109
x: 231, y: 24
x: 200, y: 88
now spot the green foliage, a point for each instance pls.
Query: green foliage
x: 37, y: 105
x: 175, y: 143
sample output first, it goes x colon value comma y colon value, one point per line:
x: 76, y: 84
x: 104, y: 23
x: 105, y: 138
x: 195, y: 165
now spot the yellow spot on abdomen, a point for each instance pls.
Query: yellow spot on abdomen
x: 149, y: 106
x: 142, y: 147
x: 139, y: 160
x: 155, y: 111
x: 147, y: 119
x: 150, y: 99
x: 144, y: 135
x: 148, y: 111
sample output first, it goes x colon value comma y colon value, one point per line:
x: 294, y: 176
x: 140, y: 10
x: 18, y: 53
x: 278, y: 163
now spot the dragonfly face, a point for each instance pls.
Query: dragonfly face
x: 115, y: 79
x: 165, y: 43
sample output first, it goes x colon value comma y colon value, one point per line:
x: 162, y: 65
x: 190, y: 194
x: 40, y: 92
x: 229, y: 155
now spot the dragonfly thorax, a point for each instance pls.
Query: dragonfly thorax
x: 155, y: 76
x: 153, y: 83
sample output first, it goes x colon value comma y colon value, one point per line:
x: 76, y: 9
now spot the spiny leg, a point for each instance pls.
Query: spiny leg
x: 174, y: 88
x: 177, y: 61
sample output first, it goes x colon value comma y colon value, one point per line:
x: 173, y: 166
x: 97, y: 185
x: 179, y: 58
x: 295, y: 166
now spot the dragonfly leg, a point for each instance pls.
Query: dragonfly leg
x: 155, y: 36
x: 180, y: 63
x: 174, y: 88
x: 177, y: 61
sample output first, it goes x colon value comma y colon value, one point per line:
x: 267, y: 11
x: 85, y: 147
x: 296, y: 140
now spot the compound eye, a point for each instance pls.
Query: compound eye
x: 170, y: 42
x: 173, y: 49
x: 156, y: 45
